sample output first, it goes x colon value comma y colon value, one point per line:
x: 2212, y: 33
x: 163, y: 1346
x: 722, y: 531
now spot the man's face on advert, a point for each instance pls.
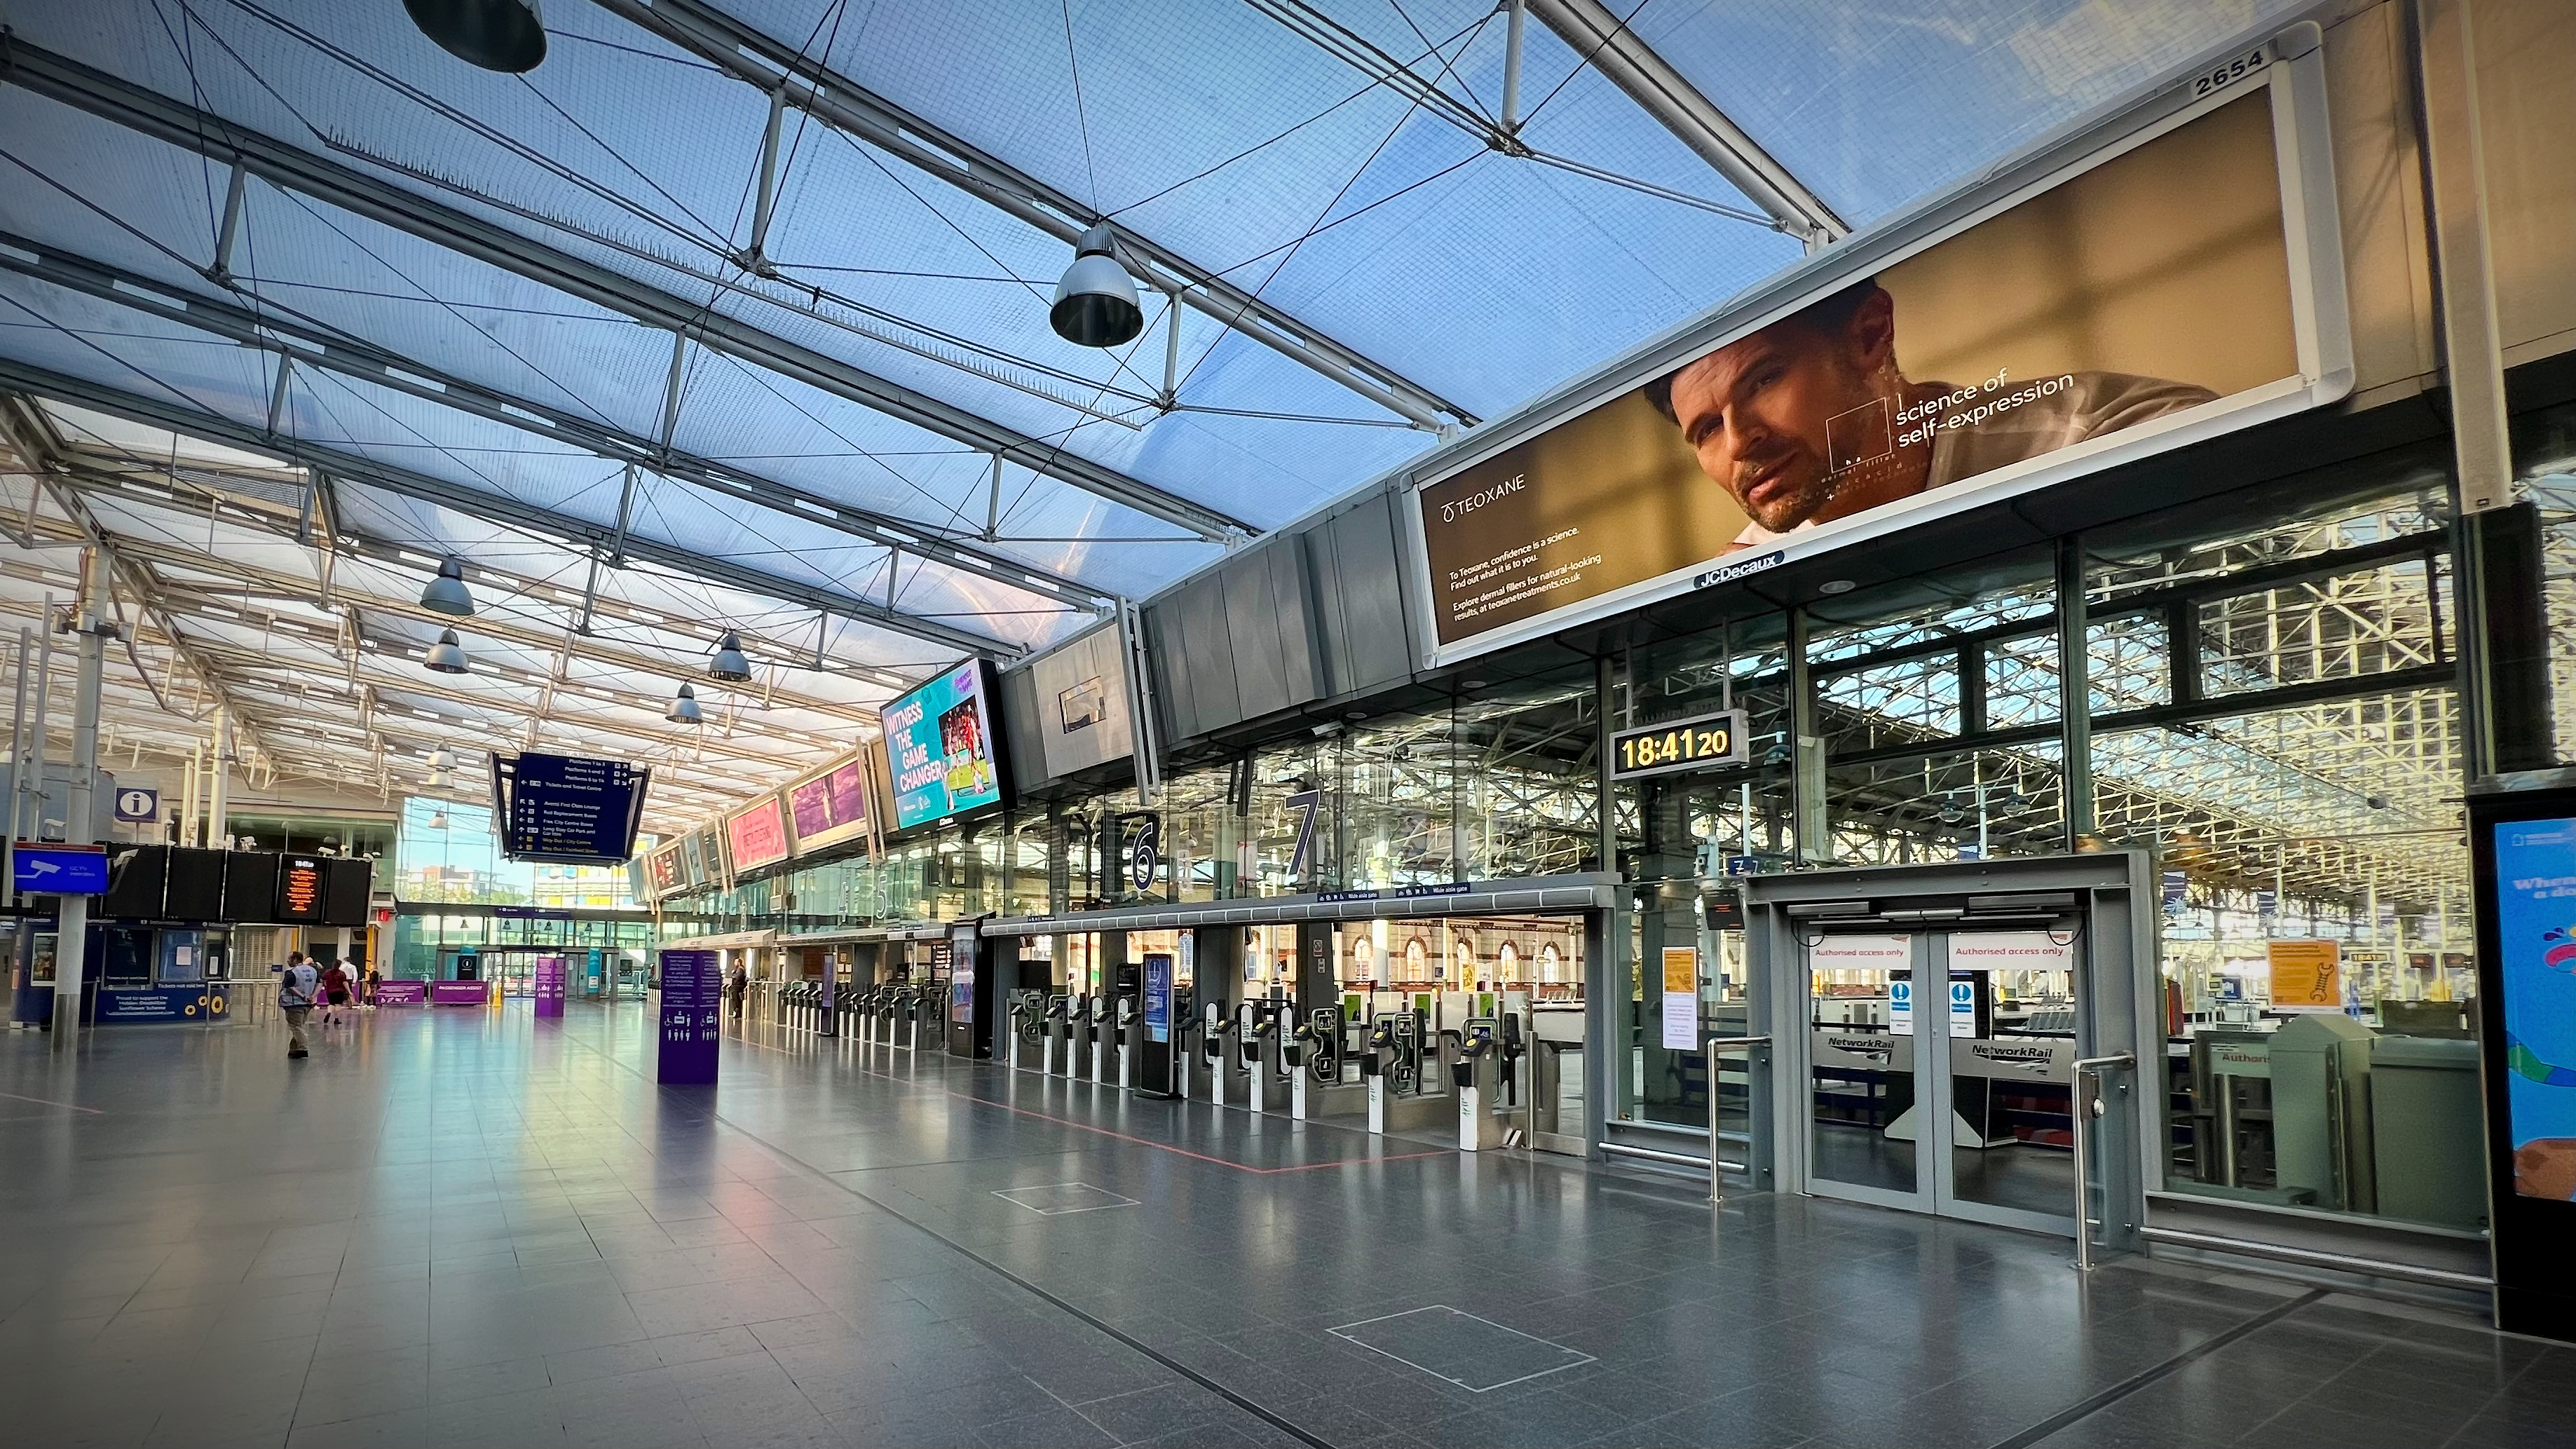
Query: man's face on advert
x: 1757, y: 411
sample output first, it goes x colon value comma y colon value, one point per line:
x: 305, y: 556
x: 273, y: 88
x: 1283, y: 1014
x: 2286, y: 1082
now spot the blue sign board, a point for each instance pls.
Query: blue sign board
x: 136, y: 805
x: 571, y: 810
x: 692, y: 1003
x: 62, y: 870
x: 940, y: 747
x: 1158, y: 996
x: 1744, y: 865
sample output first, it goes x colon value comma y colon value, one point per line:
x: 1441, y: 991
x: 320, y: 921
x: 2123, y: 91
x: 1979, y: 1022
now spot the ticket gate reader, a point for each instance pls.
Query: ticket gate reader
x: 1476, y: 1078
x: 1055, y: 1034
x: 1316, y: 1088
x: 1126, y: 1023
x: 1026, y: 1013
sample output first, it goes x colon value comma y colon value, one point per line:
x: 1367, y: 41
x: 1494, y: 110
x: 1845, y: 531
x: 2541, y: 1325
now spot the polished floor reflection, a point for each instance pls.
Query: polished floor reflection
x: 469, y: 1227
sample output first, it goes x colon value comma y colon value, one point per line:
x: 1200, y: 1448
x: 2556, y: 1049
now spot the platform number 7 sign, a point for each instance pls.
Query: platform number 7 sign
x: 1305, y: 803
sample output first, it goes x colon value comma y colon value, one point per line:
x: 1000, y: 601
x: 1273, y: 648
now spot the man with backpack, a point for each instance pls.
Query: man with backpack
x: 295, y: 991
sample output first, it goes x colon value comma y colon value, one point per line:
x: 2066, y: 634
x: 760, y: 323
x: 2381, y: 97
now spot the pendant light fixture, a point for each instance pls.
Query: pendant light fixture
x: 685, y: 709
x: 1095, y: 304
x: 447, y: 656
x: 446, y: 594
x: 503, y: 35
x: 729, y: 664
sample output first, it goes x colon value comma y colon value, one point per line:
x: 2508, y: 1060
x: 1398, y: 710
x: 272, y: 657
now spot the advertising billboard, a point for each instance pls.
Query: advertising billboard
x: 756, y: 834
x: 1083, y: 719
x: 830, y: 807
x: 2535, y: 915
x: 664, y: 870
x: 940, y: 748
x: 2163, y: 289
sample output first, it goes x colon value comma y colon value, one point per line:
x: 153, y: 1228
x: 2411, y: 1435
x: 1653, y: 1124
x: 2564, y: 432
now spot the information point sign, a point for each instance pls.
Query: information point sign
x: 692, y: 1000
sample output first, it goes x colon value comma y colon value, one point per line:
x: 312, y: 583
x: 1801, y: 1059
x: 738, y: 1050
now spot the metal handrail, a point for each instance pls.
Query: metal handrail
x: 2084, y: 1105
x: 1717, y: 1044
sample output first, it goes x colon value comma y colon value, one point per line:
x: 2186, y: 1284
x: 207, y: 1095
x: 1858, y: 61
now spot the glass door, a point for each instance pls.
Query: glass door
x: 1940, y: 1072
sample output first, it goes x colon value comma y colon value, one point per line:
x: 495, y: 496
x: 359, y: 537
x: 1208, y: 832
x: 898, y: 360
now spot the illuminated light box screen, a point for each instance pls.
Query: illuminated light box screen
x: 939, y: 744
x: 664, y: 871
x: 568, y: 810
x: 2152, y: 292
x: 2535, y: 914
x: 757, y: 834
x: 831, y: 807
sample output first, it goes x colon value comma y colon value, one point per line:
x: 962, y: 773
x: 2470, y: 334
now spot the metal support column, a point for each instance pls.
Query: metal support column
x: 219, y: 782
x: 1806, y: 752
x: 79, y: 821
x: 2075, y: 691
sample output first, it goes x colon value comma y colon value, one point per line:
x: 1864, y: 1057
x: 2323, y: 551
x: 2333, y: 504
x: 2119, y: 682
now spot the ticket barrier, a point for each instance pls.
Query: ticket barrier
x: 1055, y: 1036
x: 1129, y: 1023
x: 929, y: 1029
x: 1401, y: 1068
x: 1322, y: 1086
x: 1256, y: 1039
x: 1026, y: 1025
x: 1221, y: 1066
x: 1096, y: 1036
x: 1476, y: 1077
x: 796, y: 1001
x: 872, y: 1014
x: 1184, y: 1057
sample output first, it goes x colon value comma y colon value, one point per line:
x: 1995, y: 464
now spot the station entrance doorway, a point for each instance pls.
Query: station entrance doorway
x: 1945, y: 1028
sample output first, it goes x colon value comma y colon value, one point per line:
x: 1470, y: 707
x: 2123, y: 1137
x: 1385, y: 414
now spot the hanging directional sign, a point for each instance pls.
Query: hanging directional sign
x: 61, y: 870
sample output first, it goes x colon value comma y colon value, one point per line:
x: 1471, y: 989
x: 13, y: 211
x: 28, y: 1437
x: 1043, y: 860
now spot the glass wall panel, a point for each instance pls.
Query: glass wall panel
x: 2544, y: 448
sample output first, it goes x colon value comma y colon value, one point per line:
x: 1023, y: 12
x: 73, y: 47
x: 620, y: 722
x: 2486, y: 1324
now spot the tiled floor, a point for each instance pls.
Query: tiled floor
x: 465, y: 1227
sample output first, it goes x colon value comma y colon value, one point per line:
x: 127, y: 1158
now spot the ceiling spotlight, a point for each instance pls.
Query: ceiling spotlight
x: 442, y: 758
x: 502, y: 35
x: 446, y: 593
x: 438, y: 820
x: 1095, y: 304
x: 1836, y: 586
x: 728, y: 663
x: 685, y: 710
x: 447, y: 656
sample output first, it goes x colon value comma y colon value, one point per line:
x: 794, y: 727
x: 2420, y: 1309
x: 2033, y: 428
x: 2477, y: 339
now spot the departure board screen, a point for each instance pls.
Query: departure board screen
x: 569, y: 810
x: 299, y: 890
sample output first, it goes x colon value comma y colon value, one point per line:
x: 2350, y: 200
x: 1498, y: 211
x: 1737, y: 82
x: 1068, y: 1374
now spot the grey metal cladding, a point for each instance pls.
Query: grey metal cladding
x: 1208, y: 651
x: 1364, y: 617
x: 1021, y: 730
x: 1292, y: 592
x: 1172, y: 698
x: 1252, y: 626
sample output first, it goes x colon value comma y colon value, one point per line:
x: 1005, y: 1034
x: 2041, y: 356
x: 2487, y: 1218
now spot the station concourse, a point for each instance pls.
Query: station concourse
x: 1509, y: 722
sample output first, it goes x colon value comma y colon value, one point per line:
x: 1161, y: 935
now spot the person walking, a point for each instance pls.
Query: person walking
x: 295, y: 989
x: 335, y: 993
x: 737, y: 988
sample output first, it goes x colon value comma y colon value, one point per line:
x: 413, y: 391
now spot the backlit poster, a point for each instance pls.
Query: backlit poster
x: 2535, y: 901
x: 757, y: 834
x: 940, y: 746
x: 2154, y: 292
x: 830, y: 807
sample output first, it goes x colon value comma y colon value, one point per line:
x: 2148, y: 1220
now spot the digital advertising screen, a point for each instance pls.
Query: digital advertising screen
x: 757, y: 834
x: 2149, y: 296
x: 941, y: 749
x: 830, y: 807
x: 2535, y: 923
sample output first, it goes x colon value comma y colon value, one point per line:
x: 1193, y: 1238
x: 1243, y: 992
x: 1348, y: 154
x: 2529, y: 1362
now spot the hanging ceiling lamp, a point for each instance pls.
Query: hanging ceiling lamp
x: 441, y: 760
x: 685, y: 710
x: 447, y: 656
x: 446, y: 594
x: 502, y: 35
x: 1095, y: 304
x: 729, y: 664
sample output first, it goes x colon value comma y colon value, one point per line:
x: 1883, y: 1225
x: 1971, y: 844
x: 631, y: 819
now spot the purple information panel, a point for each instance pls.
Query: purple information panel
x: 692, y: 998
x: 402, y: 993
x: 550, y: 985
x: 459, y: 993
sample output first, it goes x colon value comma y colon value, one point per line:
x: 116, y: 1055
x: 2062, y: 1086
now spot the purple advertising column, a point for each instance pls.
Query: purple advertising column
x: 692, y: 998
x: 550, y: 985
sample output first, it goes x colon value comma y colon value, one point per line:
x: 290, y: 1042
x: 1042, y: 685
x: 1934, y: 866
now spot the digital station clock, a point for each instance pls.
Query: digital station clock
x: 1702, y: 742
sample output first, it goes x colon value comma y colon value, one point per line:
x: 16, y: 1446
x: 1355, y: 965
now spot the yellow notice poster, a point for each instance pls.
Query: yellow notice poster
x: 2306, y: 975
x: 1681, y: 998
